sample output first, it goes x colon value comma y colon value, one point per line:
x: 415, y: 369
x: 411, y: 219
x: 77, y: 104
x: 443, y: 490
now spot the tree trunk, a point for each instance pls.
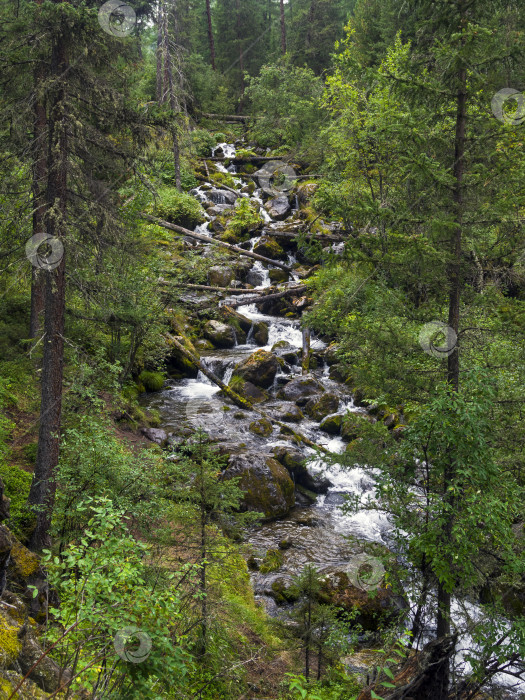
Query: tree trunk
x: 43, y: 486
x: 283, y: 29
x: 241, y: 55
x: 39, y: 200
x: 210, y: 35
x: 160, y: 20
x: 169, y: 92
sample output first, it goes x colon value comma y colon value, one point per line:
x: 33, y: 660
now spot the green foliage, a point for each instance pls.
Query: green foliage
x: 152, y: 381
x: 285, y: 99
x: 246, y: 218
x: 105, y: 587
x: 203, y: 141
x: 94, y: 463
x: 178, y: 208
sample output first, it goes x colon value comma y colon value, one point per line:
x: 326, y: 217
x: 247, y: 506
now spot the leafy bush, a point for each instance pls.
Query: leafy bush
x: 246, y: 218
x: 178, y: 208
x: 152, y: 381
x: 203, y: 141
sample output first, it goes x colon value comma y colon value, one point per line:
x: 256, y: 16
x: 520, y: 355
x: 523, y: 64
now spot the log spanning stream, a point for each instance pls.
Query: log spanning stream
x: 315, y: 530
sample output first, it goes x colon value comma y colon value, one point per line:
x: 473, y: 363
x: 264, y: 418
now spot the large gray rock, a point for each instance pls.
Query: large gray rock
x: 259, y: 369
x: 222, y: 196
x: 300, y: 389
x: 156, y: 435
x: 219, y: 276
x: 267, y: 486
x: 221, y: 335
x: 278, y: 208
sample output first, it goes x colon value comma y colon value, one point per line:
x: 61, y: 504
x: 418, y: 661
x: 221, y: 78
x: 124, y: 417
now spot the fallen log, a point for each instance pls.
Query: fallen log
x: 213, y: 241
x: 240, y: 401
x: 219, y: 185
x: 207, y: 288
x: 276, y: 295
x: 246, y: 159
x: 228, y: 117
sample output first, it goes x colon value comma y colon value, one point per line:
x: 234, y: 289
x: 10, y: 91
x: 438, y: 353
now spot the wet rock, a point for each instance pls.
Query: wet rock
x: 294, y: 461
x: 176, y: 362
x: 287, y: 351
x: 269, y: 248
x: 261, y: 333
x: 218, y: 196
x: 290, y: 413
x: 217, y: 226
x: 218, y: 209
x: 278, y: 275
x: 319, y: 407
x: 156, y: 435
x: 236, y: 319
x: 330, y: 354
x: 221, y: 335
x: 220, y: 276
x: 301, y: 389
x: 249, y: 391
x: 266, y: 484
x: 255, y: 277
x: 259, y: 369
x: 278, y: 208
x: 332, y: 424
x: 262, y: 427
x: 283, y: 591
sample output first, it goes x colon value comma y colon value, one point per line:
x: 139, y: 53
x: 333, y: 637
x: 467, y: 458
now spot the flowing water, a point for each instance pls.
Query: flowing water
x: 320, y: 532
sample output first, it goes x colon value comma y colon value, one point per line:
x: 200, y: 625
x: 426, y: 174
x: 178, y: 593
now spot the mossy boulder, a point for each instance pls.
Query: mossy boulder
x: 273, y: 560
x: 352, y: 425
x: 261, y: 333
x: 290, y: 413
x: 220, y: 334
x: 301, y: 389
x: 247, y: 390
x: 284, y: 591
x: 375, y: 608
x: 306, y: 191
x: 294, y: 461
x: 10, y: 645
x: 262, y: 427
x: 266, y: 484
x: 319, y: 407
x: 259, y: 368
x: 269, y: 248
x: 332, y: 424
x: 277, y: 275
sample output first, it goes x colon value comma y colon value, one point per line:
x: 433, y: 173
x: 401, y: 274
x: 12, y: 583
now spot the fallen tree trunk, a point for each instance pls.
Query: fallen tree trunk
x: 240, y: 401
x: 214, y: 241
x: 207, y: 288
x: 228, y: 117
x: 219, y: 185
x: 276, y: 295
x: 247, y: 159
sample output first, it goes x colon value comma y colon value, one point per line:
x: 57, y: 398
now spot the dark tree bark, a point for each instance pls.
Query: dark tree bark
x: 43, y: 486
x: 283, y: 29
x: 39, y: 204
x: 160, y: 20
x: 210, y: 35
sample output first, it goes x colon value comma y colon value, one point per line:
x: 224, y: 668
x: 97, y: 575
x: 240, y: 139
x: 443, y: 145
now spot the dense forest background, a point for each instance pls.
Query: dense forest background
x: 405, y: 122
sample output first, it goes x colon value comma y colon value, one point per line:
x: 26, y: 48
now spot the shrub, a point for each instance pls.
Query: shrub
x: 152, y: 381
x: 178, y: 208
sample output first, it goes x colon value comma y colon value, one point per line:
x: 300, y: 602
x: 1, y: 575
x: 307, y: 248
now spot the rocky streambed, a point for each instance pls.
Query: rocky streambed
x: 256, y: 348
